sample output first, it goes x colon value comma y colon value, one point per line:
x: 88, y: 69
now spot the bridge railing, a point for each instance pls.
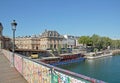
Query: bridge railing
x: 39, y: 72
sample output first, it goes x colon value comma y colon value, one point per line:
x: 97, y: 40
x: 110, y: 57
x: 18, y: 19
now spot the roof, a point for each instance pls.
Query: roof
x: 51, y: 34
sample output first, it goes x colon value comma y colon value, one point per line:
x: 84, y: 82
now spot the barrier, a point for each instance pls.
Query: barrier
x: 39, y: 72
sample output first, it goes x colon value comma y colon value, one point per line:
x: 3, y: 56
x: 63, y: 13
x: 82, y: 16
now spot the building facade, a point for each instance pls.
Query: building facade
x: 27, y: 42
x: 47, y: 40
x: 50, y: 40
x: 70, y: 41
x: 5, y: 42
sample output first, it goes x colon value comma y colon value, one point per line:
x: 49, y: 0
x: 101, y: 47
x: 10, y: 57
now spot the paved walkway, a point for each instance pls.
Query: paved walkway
x: 9, y: 74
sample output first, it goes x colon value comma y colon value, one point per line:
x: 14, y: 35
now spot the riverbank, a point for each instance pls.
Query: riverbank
x: 98, y: 55
x: 114, y: 52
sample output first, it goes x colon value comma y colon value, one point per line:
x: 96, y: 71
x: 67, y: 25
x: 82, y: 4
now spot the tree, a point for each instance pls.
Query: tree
x: 100, y: 42
x: 95, y: 39
x: 115, y: 44
x: 103, y: 43
x: 85, y: 40
x: 97, y: 42
x: 106, y: 41
x: 65, y: 47
x: 59, y: 49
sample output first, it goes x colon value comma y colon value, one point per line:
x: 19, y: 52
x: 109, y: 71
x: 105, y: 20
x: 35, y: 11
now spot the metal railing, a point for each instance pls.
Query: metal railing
x: 39, y: 72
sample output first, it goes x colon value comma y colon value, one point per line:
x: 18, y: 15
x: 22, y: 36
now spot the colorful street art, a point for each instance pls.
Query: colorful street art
x: 37, y: 73
x: 27, y: 69
x: 58, y: 77
x: 18, y: 63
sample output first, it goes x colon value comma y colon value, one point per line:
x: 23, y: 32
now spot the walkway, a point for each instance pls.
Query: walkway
x: 9, y: 74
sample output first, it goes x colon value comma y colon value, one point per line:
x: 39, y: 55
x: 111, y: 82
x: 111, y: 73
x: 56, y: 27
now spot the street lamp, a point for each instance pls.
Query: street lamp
x: 13, y: 24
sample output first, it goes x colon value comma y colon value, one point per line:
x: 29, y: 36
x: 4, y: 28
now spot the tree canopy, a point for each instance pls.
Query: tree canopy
x: 99, y: 42
x: 85, y: 40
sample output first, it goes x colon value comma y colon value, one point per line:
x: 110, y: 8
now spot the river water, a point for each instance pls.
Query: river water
x: 106, y: 69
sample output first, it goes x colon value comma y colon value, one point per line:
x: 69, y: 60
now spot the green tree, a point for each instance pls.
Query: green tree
x: 101, y: 42
x: 104, y: 42
x: 95, y: 39
x: 59, y: 49
x: 115, y: 44
x: 66, y: 47
x: 98, y: 42
x: 85, y: 40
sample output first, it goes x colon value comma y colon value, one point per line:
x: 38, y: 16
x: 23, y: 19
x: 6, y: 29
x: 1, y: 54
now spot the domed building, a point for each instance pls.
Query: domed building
x: 4, y: 41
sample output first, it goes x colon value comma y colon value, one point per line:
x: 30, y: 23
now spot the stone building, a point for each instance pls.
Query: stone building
x: 27, y: 42
x: 50, y: 39
x: 70, y: 41
x: 5, y: 42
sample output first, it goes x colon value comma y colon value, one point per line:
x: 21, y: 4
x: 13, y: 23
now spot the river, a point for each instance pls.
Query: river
x: 106, y: 68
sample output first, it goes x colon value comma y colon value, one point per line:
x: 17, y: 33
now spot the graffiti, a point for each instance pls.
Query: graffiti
x: 18, y: 63
x: 35, y: 73
x: 59, y: 77
x: 46, y: 75
x: 27, y: 69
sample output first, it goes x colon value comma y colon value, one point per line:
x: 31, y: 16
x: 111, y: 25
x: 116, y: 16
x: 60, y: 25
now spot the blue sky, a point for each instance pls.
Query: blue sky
x: 74, y: 17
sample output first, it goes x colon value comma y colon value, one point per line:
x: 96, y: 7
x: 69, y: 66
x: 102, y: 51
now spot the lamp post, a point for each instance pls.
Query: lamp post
x: 13, y: 24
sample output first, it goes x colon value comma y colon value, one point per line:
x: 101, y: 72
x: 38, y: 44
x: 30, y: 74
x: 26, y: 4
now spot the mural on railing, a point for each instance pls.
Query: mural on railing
x: 35, y: 72
x: 18, y: 63
x: 58, y: 77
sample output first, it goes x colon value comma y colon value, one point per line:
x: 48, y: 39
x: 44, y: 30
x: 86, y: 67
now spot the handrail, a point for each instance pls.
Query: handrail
x: 63, y: 71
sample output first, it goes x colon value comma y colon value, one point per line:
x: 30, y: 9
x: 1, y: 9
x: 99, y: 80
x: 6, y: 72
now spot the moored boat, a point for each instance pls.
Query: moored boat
x: 98, y: 55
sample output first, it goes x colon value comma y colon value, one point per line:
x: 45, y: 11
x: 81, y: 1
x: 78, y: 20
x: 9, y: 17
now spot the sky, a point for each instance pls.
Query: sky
x: 72, y: 17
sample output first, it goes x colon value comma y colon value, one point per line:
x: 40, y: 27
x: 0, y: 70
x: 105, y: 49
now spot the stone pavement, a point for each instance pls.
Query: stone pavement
x: 9, y: 74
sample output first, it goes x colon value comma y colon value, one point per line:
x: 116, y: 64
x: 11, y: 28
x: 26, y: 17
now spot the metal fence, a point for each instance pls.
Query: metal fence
x: 39, y: 72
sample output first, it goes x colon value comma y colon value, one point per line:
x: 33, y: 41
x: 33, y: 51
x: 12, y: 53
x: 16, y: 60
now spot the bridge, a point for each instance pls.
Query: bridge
x: 31, y: 71
x: 9, y: 74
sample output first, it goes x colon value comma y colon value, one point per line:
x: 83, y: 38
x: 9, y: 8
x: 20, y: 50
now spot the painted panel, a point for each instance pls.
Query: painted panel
x: 35, y: 73
x: 27, y: 69
x: 58, y: 77
x: 18, y: 63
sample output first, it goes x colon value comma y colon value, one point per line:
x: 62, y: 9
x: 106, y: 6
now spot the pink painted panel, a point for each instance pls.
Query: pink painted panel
x: 18, y: 63
x: 35, y: 73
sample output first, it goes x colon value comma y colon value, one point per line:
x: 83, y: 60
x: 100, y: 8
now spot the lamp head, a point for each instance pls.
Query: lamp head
x: 13, y: 24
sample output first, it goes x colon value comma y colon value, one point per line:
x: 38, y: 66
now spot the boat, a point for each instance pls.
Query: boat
x: 64, y: 59
x: 98, y: 55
